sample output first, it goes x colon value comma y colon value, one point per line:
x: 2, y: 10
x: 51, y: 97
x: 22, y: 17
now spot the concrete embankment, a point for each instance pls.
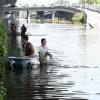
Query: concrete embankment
x: 93, y: 19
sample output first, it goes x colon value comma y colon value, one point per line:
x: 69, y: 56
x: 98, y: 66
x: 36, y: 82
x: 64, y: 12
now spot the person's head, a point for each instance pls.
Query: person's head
x: 23, y: 25
x: 24, y: 38
x: 13, y: 25
x: 43, y: 41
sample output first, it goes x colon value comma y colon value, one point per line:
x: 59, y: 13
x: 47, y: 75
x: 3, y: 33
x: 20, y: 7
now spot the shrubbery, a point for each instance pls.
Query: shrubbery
x: 3, y: 54
x: 78, y: 17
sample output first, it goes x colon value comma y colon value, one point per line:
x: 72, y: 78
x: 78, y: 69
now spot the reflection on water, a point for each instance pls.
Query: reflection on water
x: 74, y: 73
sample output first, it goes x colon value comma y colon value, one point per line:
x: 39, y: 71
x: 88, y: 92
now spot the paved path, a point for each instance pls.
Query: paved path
x: 93, y: 18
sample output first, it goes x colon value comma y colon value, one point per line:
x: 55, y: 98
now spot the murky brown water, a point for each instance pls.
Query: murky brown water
x: 74, y: 72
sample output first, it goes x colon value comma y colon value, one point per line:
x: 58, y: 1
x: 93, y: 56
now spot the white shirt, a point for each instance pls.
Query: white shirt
x: 43, y: 50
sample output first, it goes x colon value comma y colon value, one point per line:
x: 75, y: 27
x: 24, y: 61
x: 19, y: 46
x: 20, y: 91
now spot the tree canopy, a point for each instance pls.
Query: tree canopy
x: 90, y: 1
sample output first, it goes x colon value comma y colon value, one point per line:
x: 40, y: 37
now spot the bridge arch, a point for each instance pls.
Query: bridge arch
x: 55, y: 11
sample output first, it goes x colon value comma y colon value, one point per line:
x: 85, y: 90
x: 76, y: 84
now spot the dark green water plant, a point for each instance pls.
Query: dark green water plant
x: 3, y: 55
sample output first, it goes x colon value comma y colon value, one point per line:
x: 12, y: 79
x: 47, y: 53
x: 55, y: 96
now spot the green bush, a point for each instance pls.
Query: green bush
x: 78, y: 17
x: 3, y: 39
x: 3, y: 55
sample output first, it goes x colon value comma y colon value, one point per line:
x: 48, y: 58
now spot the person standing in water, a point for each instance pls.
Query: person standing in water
x: 43, y: 52
x: 23, y: 29
x: 27, y: 46
x: 13, y: 30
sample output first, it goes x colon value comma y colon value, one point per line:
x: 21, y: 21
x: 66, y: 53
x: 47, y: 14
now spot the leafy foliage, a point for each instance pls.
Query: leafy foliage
x: 2, y: 91
x: 90, y: 1
x: 3, y: 39
x: 3, y: 53
x: 78, y: 17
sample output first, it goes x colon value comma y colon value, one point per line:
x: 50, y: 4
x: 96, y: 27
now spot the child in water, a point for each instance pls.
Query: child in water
x: 43, y: 52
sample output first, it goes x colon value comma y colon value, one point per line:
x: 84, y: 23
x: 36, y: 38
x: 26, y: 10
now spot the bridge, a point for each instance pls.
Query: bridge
x: 92, y: 16
x: 68, y: 12
x: 56, y: 8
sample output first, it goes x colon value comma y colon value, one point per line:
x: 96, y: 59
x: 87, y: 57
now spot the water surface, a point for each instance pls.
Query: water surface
x: 74, y: 72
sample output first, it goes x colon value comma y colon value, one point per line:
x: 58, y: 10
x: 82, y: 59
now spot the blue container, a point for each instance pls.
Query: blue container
x: 19, y: 61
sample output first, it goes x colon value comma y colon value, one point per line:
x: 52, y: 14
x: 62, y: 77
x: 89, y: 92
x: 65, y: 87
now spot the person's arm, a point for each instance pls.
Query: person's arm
x: 39, y: 51
x: 49, y: 54
x: 39, y: 56
x: 32, y: 50
x: 25, y: 29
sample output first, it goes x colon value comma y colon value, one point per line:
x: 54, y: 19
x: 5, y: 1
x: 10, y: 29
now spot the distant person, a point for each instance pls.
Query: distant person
x: 13, y: 30
x: 43, y: 52
x: 23, y: 29
x: 27, y: 46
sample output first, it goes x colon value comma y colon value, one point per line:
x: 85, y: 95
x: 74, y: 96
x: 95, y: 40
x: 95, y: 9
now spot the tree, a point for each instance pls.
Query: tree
x: 90, y: 1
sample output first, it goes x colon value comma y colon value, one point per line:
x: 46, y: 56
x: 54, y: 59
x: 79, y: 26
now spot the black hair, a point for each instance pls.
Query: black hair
x: 43, y: 39
x: 25, y: 37
x: 13, y: 25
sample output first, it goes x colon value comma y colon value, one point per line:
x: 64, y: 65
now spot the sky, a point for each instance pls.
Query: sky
x: 39, y: 2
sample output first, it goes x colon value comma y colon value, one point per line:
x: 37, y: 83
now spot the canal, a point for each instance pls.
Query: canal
x: 74, y: 71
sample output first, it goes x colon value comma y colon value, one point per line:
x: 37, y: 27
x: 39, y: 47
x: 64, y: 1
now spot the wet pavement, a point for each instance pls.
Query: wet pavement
x: 74, y: 71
